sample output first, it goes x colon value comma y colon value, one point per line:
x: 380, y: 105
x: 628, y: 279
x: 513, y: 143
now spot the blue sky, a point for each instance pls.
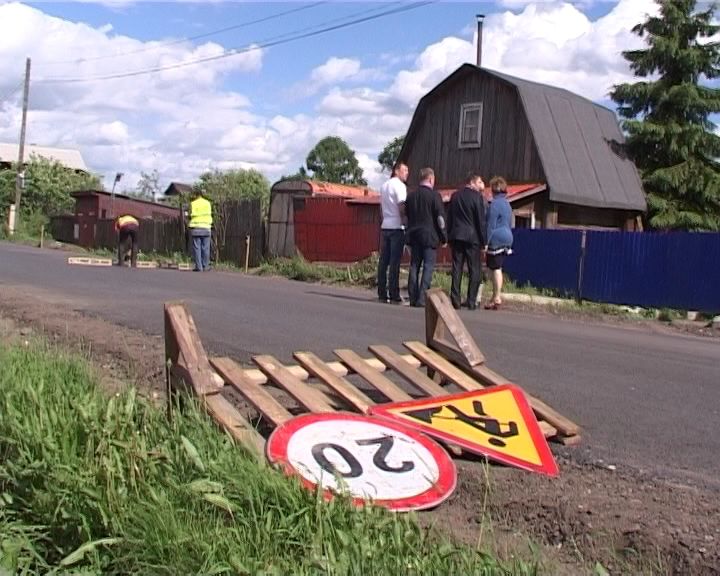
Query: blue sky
x: 267, y: 108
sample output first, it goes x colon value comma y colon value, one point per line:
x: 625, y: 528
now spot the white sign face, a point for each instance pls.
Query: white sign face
x: 364, y: 459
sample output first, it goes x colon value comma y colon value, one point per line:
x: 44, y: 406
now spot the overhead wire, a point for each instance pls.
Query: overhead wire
x: 190, y: 38
x: 322, y: 28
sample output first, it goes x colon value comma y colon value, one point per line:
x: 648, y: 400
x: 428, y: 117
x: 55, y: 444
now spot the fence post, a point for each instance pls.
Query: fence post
x: 581, y: 265
x: 247, y: 251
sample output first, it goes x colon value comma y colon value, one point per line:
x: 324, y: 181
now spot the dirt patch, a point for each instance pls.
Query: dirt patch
x: 628, y: 522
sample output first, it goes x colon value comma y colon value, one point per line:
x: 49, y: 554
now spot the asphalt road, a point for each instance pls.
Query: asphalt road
x: 646, y: 400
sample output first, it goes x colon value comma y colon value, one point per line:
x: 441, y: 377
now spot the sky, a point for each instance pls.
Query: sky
x: 185, y: 87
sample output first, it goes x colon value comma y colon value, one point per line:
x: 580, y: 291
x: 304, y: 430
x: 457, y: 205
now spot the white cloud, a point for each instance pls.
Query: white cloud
x: 184, y: 121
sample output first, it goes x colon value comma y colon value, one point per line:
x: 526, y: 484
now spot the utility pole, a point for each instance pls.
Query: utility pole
x: 20, y: 177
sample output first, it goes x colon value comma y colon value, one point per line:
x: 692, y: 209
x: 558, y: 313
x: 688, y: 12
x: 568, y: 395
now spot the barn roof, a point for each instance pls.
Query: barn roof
x: 579, y: 143
x: 67, y: 157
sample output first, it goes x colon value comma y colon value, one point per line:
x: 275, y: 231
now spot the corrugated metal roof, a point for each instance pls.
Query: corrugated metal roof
x: 67, y: 157
x: 579, y: 143
x: 319, y: 188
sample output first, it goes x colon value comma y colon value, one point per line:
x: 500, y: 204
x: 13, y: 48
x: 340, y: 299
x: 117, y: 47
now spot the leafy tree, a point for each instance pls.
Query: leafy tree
x: 670, y: 136
x: 301, y: 174
x: 332, y: 160
x: 48, y: 187
x: 390, y: 153
x: 148, y: 187
x: 224, y: 187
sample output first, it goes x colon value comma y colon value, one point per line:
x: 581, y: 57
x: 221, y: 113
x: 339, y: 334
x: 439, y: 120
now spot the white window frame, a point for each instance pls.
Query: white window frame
x: 464, y: 109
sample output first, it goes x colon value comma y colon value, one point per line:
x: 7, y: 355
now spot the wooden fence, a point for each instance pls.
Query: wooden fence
x: 235, y: 224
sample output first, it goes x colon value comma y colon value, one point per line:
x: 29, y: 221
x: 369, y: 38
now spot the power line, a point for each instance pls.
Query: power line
x: 190, y: 38
x: 284, y: 39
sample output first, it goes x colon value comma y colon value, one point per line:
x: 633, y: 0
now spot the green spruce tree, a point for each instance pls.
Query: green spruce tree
x: 667, y: 116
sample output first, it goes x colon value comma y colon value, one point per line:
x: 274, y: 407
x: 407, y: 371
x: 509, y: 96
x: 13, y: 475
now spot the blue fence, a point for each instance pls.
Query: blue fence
x: 678, y: 270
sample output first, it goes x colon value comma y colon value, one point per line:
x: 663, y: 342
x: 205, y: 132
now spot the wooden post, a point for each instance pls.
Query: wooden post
x: 247, y: 252
x: 42, y: 236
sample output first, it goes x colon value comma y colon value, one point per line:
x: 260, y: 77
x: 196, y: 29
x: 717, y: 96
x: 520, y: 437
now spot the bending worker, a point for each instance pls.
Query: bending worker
x: 127, y: 227
x: 200, y: 229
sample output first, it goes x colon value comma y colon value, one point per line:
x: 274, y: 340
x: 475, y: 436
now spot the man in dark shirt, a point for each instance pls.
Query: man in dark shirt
x: 467, y: 233
x: 426, y: 230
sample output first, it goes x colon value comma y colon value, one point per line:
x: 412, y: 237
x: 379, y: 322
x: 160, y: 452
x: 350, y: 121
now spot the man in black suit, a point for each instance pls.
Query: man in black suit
x: 467, y: 233
x: 426, y: 230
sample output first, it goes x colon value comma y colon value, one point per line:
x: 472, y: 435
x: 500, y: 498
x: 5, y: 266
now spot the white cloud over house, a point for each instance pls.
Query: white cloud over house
x: 186, y: 120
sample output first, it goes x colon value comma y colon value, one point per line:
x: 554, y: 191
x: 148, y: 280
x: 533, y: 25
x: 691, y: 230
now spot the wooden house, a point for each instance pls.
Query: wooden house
x: 569, y: 147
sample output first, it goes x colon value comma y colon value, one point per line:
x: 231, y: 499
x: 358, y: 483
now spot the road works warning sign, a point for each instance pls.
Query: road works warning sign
x: 496, y: 422
x: 368, y: 458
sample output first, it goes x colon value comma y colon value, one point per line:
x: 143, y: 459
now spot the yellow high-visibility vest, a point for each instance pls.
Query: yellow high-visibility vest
x: 125, y: 220
x: 200, y: 213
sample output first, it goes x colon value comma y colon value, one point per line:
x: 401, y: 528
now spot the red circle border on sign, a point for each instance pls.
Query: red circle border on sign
x: 276, y: 452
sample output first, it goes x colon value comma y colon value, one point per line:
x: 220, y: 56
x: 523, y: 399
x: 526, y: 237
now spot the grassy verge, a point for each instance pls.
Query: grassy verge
x: 91, y: 485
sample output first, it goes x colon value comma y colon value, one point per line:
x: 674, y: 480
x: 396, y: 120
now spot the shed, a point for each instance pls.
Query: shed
x: 527, y: 132
x: 285, y: 195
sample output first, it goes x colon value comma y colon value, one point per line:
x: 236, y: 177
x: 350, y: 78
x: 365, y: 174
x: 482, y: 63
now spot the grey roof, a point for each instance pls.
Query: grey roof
x: 69, y: 158
x: 579, y: 143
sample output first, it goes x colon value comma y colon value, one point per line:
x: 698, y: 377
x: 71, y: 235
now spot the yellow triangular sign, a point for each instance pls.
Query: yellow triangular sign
x: 496, y: 422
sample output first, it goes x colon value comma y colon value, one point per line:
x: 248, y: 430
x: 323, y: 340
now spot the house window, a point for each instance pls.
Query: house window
x: 104, y: 214
x: 470, y: 125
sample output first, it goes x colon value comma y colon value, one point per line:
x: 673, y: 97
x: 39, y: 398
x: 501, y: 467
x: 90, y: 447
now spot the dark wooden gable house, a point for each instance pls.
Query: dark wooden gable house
x: 528, y: 133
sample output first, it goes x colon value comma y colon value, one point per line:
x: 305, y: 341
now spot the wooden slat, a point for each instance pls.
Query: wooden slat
x: 252, y: 392
x: 227, y: 416
x: 454, y: 326
x: 342, y: 387
x: 442, y: 366
x: 339, y: 368
x: 407, y: 371
x: 372, y: 376
x: 311, y: 399
x: 184, y: 348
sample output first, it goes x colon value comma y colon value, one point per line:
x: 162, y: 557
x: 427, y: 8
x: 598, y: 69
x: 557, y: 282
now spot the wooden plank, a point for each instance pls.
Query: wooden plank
x: 442, y: 366
x: 407, y: 371
x: 454, y: 326
x: 372, y: 376
x: 342, y: 387
x: 252, y: 392
x: 339, y: 368
x: 227, y: 416
x: 184, y: 348
x: 313, y: 400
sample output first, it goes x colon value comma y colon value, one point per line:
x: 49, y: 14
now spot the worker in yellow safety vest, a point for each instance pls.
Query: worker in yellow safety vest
x: 200, y: 226
x: 127, y: 228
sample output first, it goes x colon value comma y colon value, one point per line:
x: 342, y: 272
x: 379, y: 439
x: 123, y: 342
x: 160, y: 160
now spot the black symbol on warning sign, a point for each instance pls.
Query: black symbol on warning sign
x: 480, y: 421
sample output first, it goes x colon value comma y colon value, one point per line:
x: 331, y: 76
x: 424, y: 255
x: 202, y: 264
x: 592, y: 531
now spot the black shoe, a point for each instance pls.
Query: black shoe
x: 398, y: 301
x: 472, y: 306
x: 456, y: 306
x: 383, y: 300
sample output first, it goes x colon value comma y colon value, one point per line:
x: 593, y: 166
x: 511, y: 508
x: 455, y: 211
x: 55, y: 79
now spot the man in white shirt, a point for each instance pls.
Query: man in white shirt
x: 392, y: 198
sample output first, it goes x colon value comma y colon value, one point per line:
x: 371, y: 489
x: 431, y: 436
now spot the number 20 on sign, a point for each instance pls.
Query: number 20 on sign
x: 368, y: 459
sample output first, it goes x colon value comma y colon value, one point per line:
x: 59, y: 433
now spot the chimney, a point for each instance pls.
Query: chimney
x: 480, y: 18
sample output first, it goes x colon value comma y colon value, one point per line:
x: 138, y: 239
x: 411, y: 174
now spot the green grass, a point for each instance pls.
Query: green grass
x: 97, y: 485
x: 358, y: 274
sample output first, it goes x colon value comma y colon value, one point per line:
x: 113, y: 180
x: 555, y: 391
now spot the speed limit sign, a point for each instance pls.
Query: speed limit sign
x: 366, y: 458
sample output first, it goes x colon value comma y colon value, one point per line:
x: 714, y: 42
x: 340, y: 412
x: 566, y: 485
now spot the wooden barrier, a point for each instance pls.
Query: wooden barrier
x: 274, y: 393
